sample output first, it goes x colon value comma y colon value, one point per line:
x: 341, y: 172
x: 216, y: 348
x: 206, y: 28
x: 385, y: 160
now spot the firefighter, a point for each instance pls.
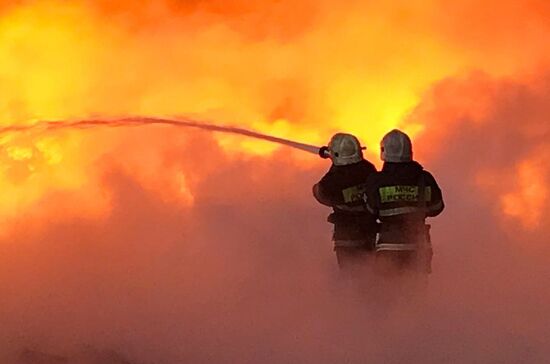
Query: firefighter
x: 402, y: 195
x: 343, y: 188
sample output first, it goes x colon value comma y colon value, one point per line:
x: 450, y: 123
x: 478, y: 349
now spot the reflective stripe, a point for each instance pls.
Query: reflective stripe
x: 355, y: 193
x: 409, y: 209
x: 396, y: 247
x: 400, y: 211
x: 351, y: 208
x: 349, y: 243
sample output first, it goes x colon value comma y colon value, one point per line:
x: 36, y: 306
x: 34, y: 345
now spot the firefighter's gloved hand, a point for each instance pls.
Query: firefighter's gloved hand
x: 324, y: 153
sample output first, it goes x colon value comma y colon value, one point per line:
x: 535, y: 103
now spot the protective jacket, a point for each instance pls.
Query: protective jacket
x: 402, y: 195
x: 344, y: 189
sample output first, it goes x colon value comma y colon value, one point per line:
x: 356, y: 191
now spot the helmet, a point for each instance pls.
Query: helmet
x: 345, y: 149
x: 396, y: 147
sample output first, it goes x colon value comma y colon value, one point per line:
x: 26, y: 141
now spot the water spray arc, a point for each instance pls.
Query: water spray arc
x: 144, y: 121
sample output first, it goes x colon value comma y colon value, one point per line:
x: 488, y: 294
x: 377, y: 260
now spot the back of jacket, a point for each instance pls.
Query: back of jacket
x: 402, y: 195
x: 344, y: 189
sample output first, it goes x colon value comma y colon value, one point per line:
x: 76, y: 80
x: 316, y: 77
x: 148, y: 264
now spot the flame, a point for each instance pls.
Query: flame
x: 300, y: 70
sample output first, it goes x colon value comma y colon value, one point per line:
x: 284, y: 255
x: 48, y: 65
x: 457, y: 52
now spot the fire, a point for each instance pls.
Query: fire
x: 300, y: 70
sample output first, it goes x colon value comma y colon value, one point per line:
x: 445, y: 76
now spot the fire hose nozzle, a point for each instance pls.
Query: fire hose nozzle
x: 324, y: 152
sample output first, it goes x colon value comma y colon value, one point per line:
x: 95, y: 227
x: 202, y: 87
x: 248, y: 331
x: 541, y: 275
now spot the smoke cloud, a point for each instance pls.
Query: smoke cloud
x: 151, y: 246
x: 235, y: 277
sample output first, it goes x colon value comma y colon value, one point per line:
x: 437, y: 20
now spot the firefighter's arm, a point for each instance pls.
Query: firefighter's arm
x: 436, y: 205
x: 321, y: 195
x: 371, y: 195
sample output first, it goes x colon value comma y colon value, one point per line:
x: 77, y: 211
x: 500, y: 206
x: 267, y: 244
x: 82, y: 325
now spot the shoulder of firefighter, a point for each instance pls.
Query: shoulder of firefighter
x: 344, y: 187
x: 398, y: 191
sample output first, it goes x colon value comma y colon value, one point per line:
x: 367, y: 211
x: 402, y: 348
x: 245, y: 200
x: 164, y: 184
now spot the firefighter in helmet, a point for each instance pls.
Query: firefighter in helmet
x: 402, y: 195
x: 343, y: 188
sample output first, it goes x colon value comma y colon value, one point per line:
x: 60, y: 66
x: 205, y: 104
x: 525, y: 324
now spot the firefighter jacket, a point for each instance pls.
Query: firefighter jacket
x: 401, y: 196
x: 344, y: 189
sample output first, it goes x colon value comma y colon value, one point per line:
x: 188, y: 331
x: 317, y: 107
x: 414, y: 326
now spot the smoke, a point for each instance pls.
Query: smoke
x: 169, y: 247
x: 495, y: 133
x: 246, y: 273
x: 179, y: 279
